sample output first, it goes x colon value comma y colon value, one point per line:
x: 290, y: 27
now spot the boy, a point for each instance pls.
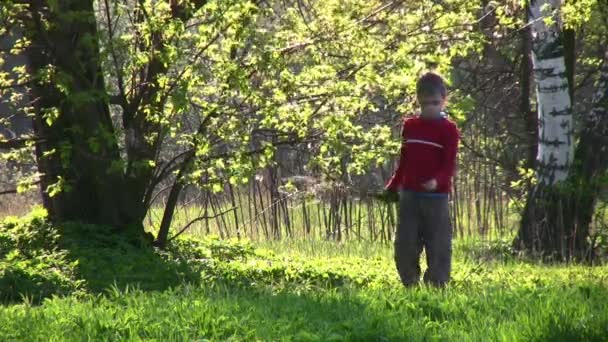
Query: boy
x: 423, y: 180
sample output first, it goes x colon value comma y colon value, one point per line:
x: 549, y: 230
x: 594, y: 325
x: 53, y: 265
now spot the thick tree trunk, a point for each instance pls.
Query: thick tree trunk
x: 79, y: 150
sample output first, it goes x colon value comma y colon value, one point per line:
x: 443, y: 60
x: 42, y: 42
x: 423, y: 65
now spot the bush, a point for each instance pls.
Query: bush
x: 31, y: 263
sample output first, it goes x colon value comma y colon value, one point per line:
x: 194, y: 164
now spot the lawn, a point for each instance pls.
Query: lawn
x: 293, y: 290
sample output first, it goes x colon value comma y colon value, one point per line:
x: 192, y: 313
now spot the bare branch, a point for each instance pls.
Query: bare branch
x: 17, y: 142
x: 291, y: 142
x: 8, y: 192
x: 14, y: 191
x: 200, y: 218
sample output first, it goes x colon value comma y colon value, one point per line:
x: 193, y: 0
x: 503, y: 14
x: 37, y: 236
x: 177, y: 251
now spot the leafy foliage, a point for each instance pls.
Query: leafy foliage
x: 31, y: 263
x: 205, y: 91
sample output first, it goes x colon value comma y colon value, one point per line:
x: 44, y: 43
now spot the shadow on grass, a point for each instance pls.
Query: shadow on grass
x: 115, y: 260
x: 217, y: 314
x: 224, y: 312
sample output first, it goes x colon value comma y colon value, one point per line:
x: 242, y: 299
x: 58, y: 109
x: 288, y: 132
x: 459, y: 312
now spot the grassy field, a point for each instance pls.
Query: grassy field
x: 209, y: 289
x: 552, y: 311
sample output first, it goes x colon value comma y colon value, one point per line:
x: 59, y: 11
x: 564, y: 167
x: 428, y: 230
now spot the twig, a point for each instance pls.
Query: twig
x: 200, y: 218
x: 7, y: 192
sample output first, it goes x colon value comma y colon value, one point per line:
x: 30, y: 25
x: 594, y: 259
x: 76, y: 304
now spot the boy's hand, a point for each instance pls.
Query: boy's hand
x: 430, y: 185
x: 388, y: 196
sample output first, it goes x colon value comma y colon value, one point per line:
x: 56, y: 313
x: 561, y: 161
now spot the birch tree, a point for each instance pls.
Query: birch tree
x: 556, y: 220
x: 555, y: 145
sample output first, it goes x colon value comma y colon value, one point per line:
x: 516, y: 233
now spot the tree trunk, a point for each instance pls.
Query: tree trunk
x: 590, y: 162
x: 178, y: 185
x: 530, y: 119
x: 79, y: 150
x: 556, y: 221
x: 543, y: 226
x: 555, y: 148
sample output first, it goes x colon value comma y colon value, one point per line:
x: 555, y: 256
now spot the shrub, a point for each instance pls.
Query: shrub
x: 31, y: 263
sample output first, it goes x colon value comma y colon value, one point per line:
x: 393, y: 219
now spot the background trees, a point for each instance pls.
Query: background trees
x: 141, y: 109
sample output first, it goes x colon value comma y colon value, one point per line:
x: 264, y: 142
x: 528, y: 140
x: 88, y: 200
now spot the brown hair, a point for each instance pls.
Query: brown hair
x: 431, y: 84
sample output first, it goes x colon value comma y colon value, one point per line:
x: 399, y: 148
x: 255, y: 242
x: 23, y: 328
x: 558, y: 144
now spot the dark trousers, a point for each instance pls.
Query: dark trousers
x: 423, y: 222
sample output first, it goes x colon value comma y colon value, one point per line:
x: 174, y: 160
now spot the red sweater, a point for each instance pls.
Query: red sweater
x: 428, y: 151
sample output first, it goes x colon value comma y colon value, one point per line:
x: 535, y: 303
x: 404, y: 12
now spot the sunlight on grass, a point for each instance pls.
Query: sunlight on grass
x: 290, y: 290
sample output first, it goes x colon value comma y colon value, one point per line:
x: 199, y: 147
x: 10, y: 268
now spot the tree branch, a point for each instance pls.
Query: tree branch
x: 120, y: 99
x: 14, y: 191
x: 200, y: 218
x: 7, y: 192
x: 15, y: 85
x: 179, y: 11
x: 17, y: 142
x: 291, y: 142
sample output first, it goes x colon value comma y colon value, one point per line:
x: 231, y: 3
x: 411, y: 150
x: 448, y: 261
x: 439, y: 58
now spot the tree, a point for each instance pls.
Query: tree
x: 556, y: 220
x: 134, y: 94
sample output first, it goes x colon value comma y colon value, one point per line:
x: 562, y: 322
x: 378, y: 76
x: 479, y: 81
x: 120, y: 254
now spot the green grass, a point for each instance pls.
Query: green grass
x: 490, y: 313
x: 295, y: 290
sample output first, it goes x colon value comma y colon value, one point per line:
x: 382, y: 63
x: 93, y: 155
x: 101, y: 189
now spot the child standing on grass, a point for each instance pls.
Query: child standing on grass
x: 423, y: 181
